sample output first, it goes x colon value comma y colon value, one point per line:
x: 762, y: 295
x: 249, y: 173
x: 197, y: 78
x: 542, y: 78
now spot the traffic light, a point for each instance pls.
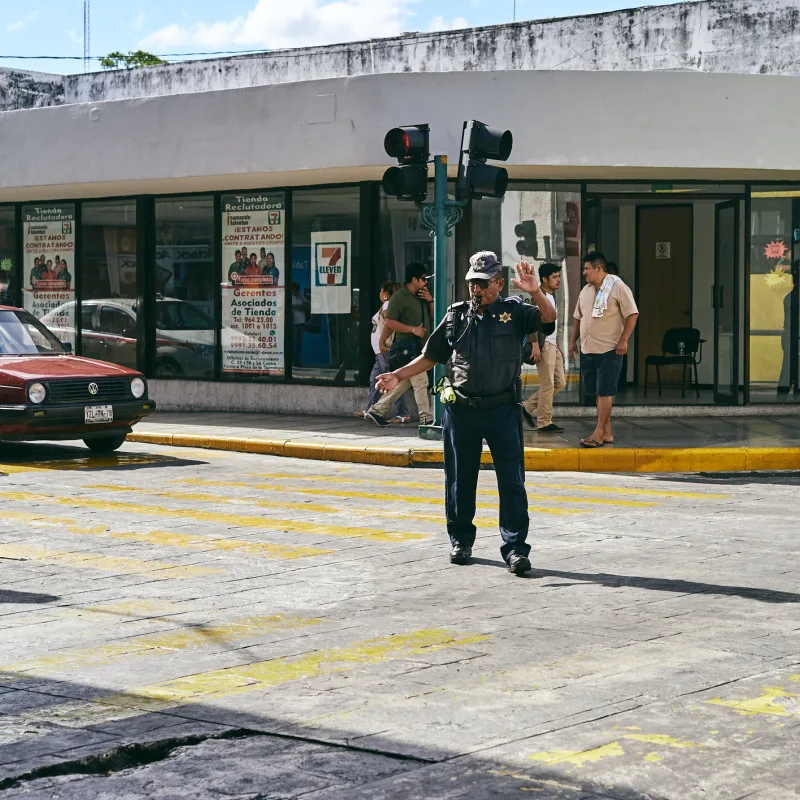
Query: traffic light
x: 528, y: 244
x: 410, y: 146
x: 476, y: 178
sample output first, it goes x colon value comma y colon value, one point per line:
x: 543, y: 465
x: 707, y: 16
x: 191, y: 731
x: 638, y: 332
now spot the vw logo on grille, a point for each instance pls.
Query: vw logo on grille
x: 93, y: 388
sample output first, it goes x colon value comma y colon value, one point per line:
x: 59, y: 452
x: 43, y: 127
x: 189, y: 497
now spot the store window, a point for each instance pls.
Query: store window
x: 8, y: 255
x: 774, y: 294
x: 108, y: 281
x: 48, y: 266
x: 404, y: 240
x: 325, y: 299
x: 184, y: 281
x: 539, y: 223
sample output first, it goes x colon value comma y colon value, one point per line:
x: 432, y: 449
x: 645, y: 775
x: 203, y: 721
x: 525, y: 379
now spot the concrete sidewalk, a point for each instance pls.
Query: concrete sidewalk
x: 649, y: 444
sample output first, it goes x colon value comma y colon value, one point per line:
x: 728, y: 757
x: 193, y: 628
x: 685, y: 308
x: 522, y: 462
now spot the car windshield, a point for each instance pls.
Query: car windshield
x: 178, y: 315
x: 21, y: 334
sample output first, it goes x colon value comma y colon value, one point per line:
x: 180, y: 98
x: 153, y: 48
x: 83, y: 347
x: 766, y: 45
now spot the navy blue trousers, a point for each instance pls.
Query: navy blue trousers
x: 465, y: 429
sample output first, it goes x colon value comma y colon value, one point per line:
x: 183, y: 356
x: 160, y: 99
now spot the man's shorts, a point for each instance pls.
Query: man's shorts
x: 600, y: 373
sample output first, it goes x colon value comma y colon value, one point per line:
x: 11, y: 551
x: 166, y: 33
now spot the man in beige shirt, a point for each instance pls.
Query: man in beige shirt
x: 605, y: 317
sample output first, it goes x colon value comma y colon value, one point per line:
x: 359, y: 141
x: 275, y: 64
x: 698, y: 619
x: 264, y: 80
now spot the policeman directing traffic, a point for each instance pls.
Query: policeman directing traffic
x: 480, y: 341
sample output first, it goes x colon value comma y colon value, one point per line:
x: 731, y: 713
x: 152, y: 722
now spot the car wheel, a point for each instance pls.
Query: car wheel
x: 167, y: 368
x: 105, y: 444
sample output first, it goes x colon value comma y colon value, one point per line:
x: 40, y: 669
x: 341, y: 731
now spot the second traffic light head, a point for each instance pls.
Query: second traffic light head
x: 476, y: 178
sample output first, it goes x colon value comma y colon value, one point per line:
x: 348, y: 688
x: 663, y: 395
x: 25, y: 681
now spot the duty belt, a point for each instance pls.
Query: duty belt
x: 486, y: 402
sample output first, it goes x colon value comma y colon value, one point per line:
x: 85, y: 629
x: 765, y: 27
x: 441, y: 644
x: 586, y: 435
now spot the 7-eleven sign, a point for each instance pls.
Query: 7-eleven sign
x: 331, y: 263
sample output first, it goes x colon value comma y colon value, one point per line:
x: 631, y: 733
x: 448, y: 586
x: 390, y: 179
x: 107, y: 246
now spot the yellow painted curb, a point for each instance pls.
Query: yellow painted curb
x: 566, y: 459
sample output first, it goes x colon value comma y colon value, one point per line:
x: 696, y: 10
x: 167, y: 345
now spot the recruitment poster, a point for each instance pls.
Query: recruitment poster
x: 49, y: 266
x: 253, y: 277
x: 331, y: 284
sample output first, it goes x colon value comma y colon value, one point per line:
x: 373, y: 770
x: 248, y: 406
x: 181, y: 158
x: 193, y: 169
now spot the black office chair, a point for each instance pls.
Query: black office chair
x: 679, y: 346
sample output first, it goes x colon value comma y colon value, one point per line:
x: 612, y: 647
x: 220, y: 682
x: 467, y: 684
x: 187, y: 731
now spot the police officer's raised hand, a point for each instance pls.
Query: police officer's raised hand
x: 526, y: 279
x: 386, y: 382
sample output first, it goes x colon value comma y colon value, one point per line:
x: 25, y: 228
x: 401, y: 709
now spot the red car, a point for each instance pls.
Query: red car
x: 47, y: 393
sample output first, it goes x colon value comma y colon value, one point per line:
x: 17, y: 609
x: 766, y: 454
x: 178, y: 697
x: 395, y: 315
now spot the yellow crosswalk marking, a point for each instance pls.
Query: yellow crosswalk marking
x: 440, y: 485
x: 243, y: 520
x: 309, y: 507
x: 626, y: 490
x: 116, y: 564
x: 259, y: 676
x: 400, y: 498
x: 480, y: 523
x: 157, y: 644
x: 85, y: 462
x: 193, y: 541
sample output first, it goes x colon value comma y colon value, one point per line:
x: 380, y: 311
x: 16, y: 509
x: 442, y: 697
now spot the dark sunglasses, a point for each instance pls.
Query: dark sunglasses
x: 481, y: 283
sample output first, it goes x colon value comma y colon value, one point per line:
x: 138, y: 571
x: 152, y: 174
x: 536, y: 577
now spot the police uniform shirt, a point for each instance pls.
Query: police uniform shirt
x: 484, y: 354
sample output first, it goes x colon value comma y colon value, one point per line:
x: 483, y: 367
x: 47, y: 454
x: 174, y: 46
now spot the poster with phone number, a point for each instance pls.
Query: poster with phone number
x: 253, y: 281
x: 48, y: 241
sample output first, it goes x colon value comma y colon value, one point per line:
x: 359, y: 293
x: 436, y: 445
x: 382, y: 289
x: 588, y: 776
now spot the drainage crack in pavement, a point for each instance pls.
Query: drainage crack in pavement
x: 126, y: 756
x: 141, y: 754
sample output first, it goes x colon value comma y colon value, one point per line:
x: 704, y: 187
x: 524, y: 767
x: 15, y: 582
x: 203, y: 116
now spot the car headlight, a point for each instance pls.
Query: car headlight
x: 137, y: 388
x: 37, y: 393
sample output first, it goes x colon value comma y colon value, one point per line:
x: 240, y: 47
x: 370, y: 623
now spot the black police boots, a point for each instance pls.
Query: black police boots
x: 517, y: 564
x: 460, y: 555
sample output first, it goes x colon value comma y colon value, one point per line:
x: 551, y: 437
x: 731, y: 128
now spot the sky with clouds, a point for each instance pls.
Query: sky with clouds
x: 55, y: 27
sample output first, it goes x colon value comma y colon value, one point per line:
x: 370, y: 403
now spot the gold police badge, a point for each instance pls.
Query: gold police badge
x: 505, y: 316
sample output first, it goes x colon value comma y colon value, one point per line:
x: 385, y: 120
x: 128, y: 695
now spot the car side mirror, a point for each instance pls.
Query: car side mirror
x: 67, y: 346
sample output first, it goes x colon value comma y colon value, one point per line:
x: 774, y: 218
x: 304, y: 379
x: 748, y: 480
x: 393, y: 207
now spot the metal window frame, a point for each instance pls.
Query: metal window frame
x: 367, y: 280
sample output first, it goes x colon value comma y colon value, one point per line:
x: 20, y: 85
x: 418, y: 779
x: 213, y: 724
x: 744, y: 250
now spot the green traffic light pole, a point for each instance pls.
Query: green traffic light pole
x: 440, y: 217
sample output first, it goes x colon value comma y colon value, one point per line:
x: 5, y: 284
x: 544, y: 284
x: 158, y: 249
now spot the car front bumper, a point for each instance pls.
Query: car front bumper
x: 29, y: 421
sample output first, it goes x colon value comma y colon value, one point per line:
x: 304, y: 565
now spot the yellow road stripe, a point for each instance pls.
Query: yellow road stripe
x: 108, y: 563
x: 258, y: 676
x: 294, y: 526
x: 159, y: 643
x: 399, y: 498
x: 85, y: 462
x: 440, y: 485
x: 625, y: 490
x: 481, y: 523
x: 168, y: 539
x: 315, y: 507
x: 128, y: 608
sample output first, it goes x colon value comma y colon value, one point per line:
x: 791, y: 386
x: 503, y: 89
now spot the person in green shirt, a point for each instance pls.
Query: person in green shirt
x: 409, y: 315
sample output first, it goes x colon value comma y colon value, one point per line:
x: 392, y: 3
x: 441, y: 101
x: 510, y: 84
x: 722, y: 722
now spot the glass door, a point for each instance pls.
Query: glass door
x: 726, y: 303
x: 591, y: 225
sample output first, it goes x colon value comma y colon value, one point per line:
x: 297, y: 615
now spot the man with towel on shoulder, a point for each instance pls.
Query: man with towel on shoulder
x: 605, y: 317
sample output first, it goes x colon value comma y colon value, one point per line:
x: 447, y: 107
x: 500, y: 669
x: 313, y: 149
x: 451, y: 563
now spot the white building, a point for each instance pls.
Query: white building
x: 662, y: 136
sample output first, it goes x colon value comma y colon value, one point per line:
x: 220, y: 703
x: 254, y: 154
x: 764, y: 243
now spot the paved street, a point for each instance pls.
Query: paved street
x: 178, y: 623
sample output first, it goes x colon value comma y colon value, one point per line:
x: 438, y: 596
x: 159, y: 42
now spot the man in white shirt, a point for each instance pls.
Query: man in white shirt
x: 549, y: 362
x: 605, y: 317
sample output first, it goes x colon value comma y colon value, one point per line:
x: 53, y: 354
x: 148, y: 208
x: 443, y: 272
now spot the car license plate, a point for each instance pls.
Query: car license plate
x: 98, y: 414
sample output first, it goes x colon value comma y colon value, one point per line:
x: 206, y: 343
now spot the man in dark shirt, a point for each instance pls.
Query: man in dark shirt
x: 481, y: 343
